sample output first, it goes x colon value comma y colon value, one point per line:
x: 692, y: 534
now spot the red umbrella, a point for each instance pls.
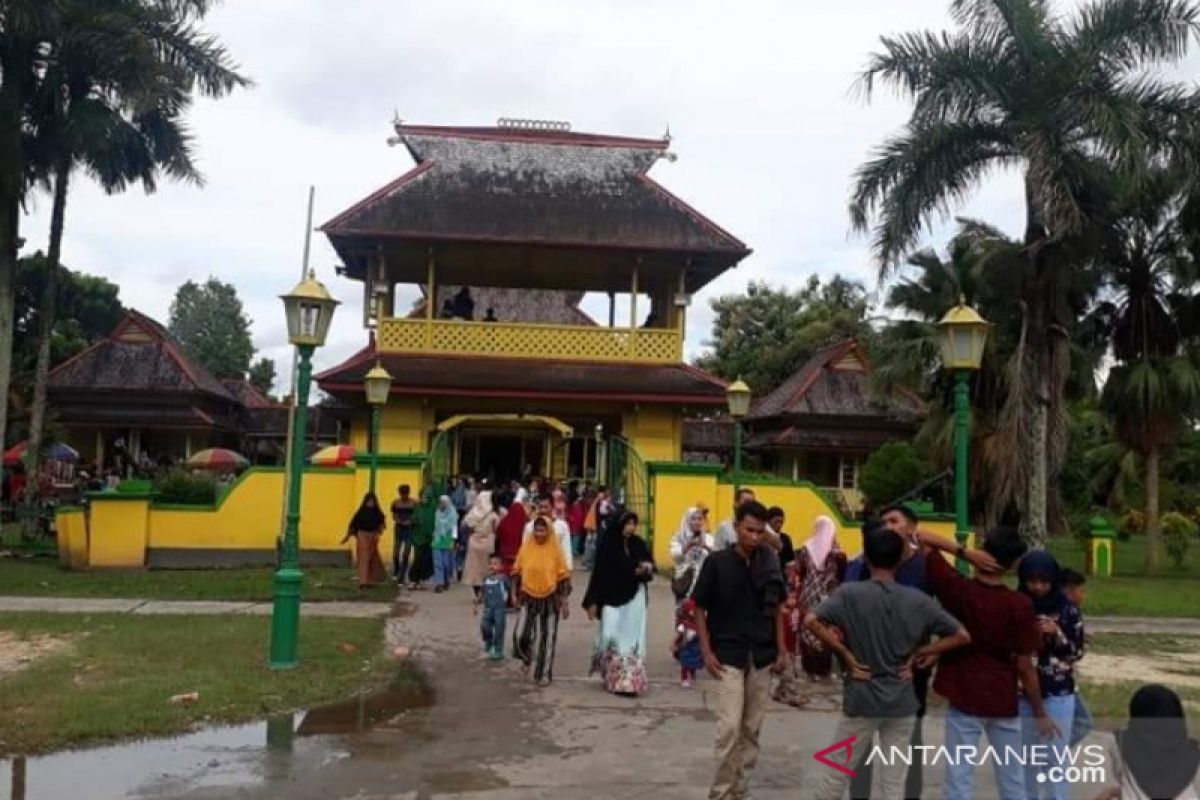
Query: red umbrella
x: 338, y: 455
x: 14, y: 454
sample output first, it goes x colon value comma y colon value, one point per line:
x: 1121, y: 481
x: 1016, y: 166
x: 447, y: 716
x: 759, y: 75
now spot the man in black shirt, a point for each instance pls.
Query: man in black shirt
x: 740, y: 620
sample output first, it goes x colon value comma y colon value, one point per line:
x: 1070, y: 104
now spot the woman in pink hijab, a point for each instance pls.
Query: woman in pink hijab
x: 819, y: 568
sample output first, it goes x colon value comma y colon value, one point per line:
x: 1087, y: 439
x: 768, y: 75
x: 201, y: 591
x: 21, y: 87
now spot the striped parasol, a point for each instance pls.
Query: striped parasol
x: 338, y: 455
x: 217, y: 459
x: 55, y: 452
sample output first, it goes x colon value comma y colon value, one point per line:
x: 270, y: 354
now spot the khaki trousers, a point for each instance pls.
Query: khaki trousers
x: 741, y: 703
x: 893, y: 732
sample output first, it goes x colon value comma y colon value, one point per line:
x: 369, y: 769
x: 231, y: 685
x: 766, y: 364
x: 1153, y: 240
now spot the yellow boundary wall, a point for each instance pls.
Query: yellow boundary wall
x: 677, y: 487
x: 121, y: 527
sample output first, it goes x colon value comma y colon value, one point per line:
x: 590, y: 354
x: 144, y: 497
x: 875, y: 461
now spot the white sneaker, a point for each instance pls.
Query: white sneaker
x: 685, y: 683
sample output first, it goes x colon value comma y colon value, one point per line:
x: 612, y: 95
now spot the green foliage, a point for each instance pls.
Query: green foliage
x: 891, y: 472
x: 766, y: 334
x: 1132, y: 523
x: 183, y: 488
x: 208, y: 320
x: 262, y: 375
x: 1178, y: 531
x: 88, y: 310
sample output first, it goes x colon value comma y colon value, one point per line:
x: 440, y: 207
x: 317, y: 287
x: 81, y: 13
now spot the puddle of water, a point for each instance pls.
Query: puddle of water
x: 213, y: 758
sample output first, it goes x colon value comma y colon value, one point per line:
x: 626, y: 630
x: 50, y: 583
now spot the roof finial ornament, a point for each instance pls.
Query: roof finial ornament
x: 397, y: 124
x: 667, y: 135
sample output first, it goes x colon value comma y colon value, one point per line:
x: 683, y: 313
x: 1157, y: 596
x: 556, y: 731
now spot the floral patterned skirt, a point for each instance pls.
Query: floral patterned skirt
x: 620, y: 648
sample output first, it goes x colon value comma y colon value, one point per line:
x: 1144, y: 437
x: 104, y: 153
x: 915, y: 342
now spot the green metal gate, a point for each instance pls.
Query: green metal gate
x: 435, y: 477
x: 628, y: 481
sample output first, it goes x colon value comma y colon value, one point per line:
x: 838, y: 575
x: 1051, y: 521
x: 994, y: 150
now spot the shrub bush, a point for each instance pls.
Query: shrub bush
x: 1178, y: 532
x: 1133, y: 523
x: 891, y: 472
x: 182, y: 488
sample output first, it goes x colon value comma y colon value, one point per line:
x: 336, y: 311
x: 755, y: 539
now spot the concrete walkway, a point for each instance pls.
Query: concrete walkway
x: 99, y: 605
x: 1178, y: 626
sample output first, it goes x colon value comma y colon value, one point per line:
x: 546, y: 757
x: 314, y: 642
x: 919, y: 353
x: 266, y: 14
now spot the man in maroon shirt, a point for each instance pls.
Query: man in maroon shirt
x: 981, y: 681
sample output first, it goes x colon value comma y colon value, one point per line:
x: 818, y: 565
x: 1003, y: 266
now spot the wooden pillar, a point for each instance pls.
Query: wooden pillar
x: 430, y: 295
x: 99, y: 449
x: 633, y: 293
x: 430, y: 299
x: 612, y: 309
x: 187, y: 445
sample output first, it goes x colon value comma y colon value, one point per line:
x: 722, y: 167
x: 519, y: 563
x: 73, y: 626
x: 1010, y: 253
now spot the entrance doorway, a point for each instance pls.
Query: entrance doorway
x: 501, y: 455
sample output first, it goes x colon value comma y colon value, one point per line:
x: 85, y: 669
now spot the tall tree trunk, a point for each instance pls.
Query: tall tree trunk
x: 1153, y: 533
x: 12, y: 101
x: 1037, y: 494
x: 37, y: 414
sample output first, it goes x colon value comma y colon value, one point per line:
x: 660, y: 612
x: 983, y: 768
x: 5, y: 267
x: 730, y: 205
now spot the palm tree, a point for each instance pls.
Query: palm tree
x: 112, y: 101
x: 1154, y: 387
x: 1062, y: 98
x: 24, y: 26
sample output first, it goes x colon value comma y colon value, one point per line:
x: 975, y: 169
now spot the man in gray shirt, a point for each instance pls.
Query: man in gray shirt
x: 883, y: 625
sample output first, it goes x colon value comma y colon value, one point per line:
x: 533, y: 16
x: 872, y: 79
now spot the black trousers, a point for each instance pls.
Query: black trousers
x: 860, y: 784
x: 536, y: 636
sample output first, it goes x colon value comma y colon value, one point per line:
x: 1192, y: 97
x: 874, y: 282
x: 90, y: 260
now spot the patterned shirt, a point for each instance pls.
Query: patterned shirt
x: 1059, y: 654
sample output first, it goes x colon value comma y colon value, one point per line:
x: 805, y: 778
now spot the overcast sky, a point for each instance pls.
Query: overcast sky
x: 758, y: 97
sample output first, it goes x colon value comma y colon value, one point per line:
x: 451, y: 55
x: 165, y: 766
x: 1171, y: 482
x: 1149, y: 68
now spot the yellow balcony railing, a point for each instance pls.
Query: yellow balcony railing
x: 530, y: 340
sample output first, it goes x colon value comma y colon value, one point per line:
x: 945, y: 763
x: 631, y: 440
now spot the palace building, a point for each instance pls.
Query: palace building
x: 526, y: 218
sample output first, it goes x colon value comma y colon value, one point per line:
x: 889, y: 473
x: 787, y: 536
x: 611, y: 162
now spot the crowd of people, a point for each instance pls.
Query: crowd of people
x: 764, y: 618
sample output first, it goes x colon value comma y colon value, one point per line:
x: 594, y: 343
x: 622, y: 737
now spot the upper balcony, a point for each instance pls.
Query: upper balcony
x: 530, y: 340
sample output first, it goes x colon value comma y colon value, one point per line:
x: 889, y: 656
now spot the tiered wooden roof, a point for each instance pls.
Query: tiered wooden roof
x: 524, y: 188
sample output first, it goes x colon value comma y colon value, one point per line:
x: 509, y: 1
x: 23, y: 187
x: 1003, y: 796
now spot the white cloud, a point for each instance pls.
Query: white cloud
x: 757, y: 96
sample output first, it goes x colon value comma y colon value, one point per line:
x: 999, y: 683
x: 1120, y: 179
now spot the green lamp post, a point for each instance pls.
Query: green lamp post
x: 964, y: 336
x: 737, y: 396
x: 309, y: 308
x: 377, y: 383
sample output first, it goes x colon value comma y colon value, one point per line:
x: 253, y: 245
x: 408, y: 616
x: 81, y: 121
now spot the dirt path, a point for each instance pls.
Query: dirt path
x: 16, y: 653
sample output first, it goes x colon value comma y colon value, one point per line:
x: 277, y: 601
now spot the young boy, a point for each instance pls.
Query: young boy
x: 494, y: 600
x: 1074, y: 587
x: 981, y: 681
x: 885, y: 626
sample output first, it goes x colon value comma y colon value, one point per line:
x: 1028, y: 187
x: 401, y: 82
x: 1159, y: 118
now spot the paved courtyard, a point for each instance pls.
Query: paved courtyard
x: 482, y: 733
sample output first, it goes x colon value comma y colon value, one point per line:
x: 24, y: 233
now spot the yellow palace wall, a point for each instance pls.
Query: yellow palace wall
x: 248, y: 517
x: 406, y: 425
x: 677, y: 487
x: 120, y: 529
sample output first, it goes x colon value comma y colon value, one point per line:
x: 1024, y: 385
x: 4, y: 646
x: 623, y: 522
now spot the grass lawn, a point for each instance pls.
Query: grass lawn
x: 1152, y: 658
x: 42, y: 577
x: 117, y: 674
x: 1174, y: 593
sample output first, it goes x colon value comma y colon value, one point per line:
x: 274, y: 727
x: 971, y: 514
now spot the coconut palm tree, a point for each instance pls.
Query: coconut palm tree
x: 1064, y: 99
x: 112, y: 101
x: 1148, y: 305
x: 24, y: 27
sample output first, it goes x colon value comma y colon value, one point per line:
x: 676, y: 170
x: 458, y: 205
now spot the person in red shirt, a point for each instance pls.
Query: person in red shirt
x: 981, y: 681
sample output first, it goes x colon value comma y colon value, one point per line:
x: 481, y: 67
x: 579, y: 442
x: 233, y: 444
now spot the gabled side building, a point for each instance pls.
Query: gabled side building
x: 137, y: 392
x: 819, y: 425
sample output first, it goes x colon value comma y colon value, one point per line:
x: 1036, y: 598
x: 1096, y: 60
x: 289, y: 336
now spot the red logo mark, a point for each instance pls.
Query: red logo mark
x: 844, y: 767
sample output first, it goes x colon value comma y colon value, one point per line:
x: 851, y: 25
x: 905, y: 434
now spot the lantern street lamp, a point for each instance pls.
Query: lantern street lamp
x: 601, y: 479
x: 309, y: 308
x: 964, y: 336
x: 737, y: 396
x: 377, y: 383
